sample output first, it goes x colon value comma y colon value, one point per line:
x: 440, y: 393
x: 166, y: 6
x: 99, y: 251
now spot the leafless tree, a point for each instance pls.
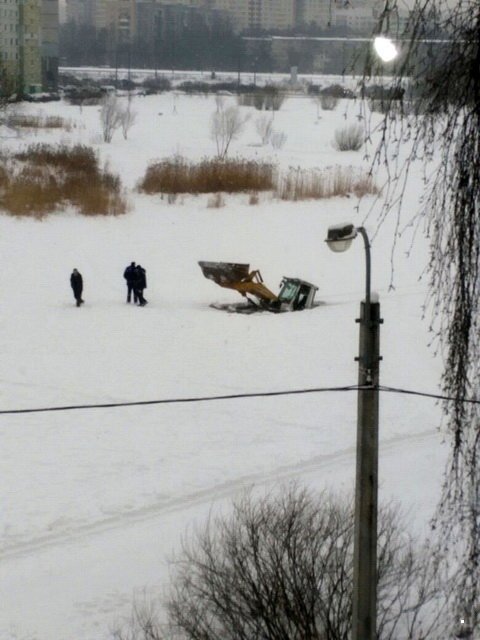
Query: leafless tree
x: 110, y: 117
x: 433, y: 109
x: 281, y: 567
x: 226, y: 125
x: 143, y: 623
x: 264, y: 127
x: 278, y: 139
x: 219, y: 102
x: 128, y: 117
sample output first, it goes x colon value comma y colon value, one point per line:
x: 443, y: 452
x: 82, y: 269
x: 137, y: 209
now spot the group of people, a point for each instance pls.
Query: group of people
x: 136, y: 279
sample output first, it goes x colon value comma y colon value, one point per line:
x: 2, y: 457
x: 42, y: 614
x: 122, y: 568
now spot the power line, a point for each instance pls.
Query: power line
x: 435, y: 396
x: 231, y: 396
x: 239, y: 396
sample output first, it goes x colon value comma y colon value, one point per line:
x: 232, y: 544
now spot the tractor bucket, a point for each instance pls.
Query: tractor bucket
x: 237, y: 276
x: 224, y: 273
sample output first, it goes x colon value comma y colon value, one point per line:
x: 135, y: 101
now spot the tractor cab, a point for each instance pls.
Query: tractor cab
x: 296, y: 294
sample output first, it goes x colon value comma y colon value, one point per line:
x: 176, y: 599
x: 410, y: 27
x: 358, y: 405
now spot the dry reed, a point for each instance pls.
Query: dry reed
x: 29, y: 121
x: 43, y: 179
x: 178, y: 175
x: 315, y: 184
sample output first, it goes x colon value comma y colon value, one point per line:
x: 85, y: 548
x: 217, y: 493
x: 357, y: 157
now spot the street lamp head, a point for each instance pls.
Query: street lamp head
x: 385, y: 49
x: 340, y: 236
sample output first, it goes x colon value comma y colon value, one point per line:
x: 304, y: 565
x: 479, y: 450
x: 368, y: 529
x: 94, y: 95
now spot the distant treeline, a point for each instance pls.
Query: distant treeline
x: 206, y: 47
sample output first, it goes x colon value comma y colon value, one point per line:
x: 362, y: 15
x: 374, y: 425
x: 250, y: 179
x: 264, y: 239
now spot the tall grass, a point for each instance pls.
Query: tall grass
x: 178, y: 175
x: 29, y: 121
x: 315, y: 184
x: 43, y: 178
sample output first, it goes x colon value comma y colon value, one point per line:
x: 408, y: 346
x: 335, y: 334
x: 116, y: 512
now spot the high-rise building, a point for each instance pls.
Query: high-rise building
x: 88, y: 12
x: 121, y: 19
x: 9, y: 34
x: 49, y: 44
x: 268, y: 15
x: 29, y: 43
x: 315, y: 12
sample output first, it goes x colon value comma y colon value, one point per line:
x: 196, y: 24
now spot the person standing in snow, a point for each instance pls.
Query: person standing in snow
x: 139, y: 284
x: 76, y: 282
x: 129, y: 275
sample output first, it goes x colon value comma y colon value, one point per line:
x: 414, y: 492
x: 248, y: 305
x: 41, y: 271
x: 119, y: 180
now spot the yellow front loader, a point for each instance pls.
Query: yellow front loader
x: 295, y: 294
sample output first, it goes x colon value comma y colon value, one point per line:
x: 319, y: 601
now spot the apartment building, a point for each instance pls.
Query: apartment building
x: 361, y: 16
x: 315, y: 12
x: 278, y: 14
x: 49, y: 17
x: 119, y: 14
x: 94, y: 13
x: 357, y: 19
x: 9, y: 29
x: 121, y: 20
x: 29, y: 43
x: 30, y: 63
x: 268, y: 15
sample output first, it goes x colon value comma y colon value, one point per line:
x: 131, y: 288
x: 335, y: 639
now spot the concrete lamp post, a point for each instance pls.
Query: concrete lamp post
x: 339, y: 239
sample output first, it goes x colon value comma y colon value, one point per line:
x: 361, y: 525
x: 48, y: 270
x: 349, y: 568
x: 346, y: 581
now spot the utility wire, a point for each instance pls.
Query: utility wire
x: 435, y: 396
x: 240, y: 396
x: 232, y: 396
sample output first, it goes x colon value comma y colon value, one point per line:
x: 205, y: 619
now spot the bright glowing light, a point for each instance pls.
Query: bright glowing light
x: 385, y: 49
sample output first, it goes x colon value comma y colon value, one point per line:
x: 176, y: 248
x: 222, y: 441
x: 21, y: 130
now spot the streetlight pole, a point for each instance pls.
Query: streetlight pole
x: 364, y: 612
x: 366, y: 484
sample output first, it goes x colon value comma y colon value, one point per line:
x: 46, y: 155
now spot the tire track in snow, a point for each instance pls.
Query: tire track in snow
x: 219, y: 491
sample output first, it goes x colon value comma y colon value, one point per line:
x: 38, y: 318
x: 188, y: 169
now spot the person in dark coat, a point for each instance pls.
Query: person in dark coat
x: 139, y: 284
x: 129, y: 275
x: 76, y: 282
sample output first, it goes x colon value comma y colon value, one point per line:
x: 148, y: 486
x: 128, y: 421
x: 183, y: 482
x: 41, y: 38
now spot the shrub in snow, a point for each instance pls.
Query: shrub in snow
x: 216, y: 201
x: 246, y: 100
x: 156, y: 85
x: 259, y: 100
x: 281, y: 567
x: 337, y: 91
x: 349, y: 138
x: 327, y: 102
x: 274, y: 97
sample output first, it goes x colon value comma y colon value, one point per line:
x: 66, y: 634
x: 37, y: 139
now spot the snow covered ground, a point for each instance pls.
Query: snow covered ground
x: 93, y: 502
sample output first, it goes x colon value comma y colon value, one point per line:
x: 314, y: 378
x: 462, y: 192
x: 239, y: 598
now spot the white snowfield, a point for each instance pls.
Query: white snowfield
x: 94, y: 502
